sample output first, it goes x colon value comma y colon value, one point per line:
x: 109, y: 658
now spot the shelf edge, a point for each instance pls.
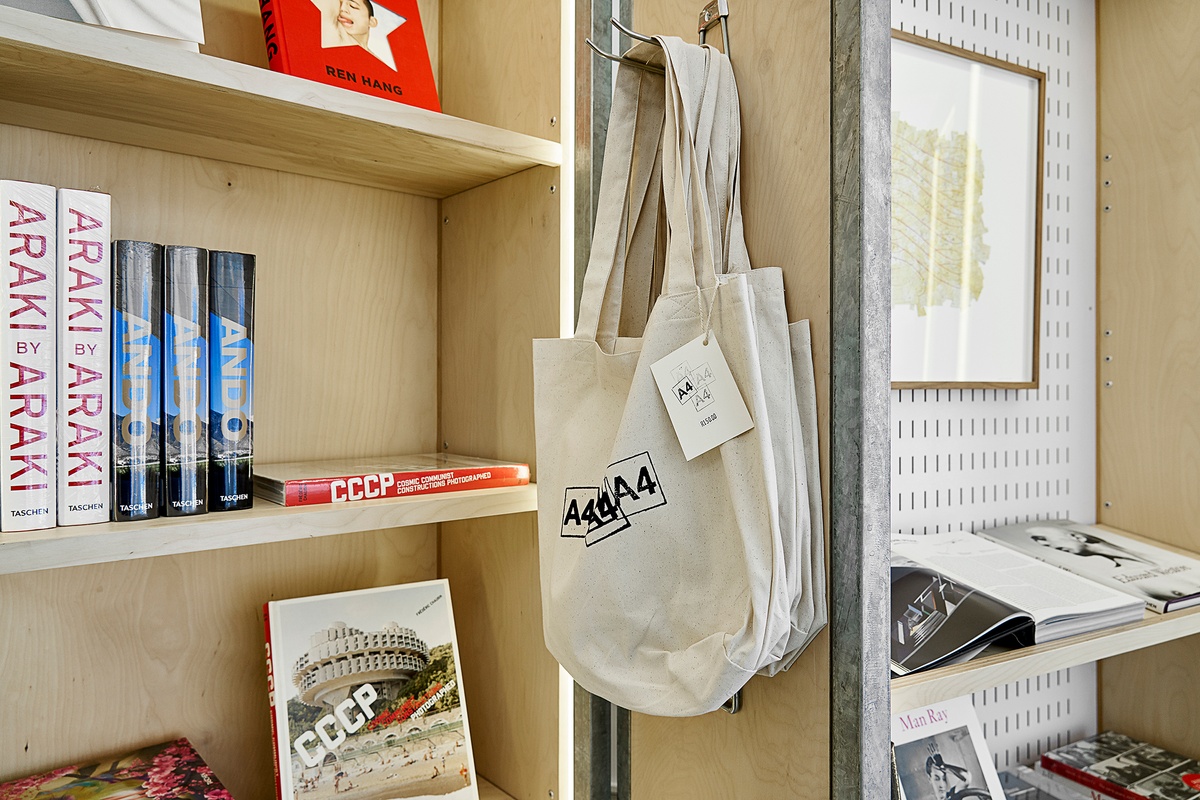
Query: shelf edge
x: 266, y: 523
x: 914, y: 691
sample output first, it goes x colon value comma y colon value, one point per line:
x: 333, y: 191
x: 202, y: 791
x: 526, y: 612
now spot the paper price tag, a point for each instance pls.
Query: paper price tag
x: 701, y: 396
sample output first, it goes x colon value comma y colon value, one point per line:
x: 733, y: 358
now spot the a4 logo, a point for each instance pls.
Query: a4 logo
x: 594, y: 513
x: 692, y: 385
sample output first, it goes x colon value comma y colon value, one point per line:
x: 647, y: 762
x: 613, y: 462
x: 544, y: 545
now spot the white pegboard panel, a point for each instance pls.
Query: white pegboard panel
x: 1024, y: 719
x: 975, y: 458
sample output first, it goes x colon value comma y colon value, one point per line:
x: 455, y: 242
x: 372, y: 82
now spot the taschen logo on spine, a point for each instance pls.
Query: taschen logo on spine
x: 595, y: 513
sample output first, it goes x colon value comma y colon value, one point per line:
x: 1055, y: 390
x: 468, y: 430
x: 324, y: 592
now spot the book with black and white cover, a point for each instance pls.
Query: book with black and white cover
x: 955, y: 593
x: 231, y: 380
x: 941, y: 752
x: 366, y: 695
x: 137, y: 380
x: 1114, y: 765
x: 185, y: 381
x: 1165, y: 579
x: 84, y: 360
x: 28, y: 483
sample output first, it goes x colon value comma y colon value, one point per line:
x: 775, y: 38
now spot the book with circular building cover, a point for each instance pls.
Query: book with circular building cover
x: 365, y: 695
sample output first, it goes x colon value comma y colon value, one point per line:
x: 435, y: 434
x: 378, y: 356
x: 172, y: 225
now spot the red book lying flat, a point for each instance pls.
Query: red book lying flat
x: 310, y: 482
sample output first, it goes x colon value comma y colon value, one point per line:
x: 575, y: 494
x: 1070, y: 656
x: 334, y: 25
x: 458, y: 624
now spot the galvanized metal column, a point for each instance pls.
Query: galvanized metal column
x: 860, y: 188
x: 594, y: 716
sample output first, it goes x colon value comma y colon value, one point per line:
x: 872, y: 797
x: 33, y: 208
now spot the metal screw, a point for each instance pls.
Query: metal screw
x: 1108, y: 333
x: 1107, y: 504
x: 1108, y: 384
x: 1107, y: 209
x: 553, y: 188
x: 1108, y: 183
x: 445, y: 220
x: 553, y: 121
x: 1108, y: 156
x: 1108, y: 358
x: 707, y: 15
x: 551, y: 794
x: 445, y: 445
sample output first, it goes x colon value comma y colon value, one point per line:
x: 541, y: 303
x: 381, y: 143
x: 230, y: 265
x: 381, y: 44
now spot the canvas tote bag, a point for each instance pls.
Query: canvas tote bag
x: 786, y: 358
x: 663, y: 580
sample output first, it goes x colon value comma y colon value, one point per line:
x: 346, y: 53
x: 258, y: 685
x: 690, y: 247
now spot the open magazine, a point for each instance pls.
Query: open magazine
x: 953, y: 594
x: 1165, y: 580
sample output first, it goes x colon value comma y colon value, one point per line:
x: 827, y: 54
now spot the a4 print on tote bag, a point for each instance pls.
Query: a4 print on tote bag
x: 667, y: 582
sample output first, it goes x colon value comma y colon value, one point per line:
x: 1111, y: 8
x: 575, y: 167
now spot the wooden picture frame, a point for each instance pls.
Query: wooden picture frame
x: 966, y: 246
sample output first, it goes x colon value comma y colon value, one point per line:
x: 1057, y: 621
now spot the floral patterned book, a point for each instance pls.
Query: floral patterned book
x: 168, y: 771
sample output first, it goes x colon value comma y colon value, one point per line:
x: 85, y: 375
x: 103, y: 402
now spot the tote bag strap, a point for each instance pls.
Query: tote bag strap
x: 725, y: 161
x: 691, y: 257
x: 629, y: 176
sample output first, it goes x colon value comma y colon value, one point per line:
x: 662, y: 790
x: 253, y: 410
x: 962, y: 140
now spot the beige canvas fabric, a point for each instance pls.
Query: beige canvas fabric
x: 666, y: 583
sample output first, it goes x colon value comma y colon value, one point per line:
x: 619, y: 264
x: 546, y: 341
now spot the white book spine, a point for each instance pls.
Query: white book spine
x: 84, y: 362
x: 27, y: 467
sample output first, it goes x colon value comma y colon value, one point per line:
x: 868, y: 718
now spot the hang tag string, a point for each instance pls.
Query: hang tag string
x: 706, y: 314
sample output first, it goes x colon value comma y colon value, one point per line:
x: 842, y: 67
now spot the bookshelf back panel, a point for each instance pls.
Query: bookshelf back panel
x: 1150, y: 301
x: 102, y: 659
x: 499, y: 291
x: 502, y: 68
x: 778, y: 745
x: 345, y: 311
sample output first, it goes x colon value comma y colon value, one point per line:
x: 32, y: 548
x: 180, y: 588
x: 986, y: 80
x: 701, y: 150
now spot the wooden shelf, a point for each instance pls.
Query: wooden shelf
x: 79, y: 79
x: 489, y: 792
x: 266, y: 522
x: 913, y: 691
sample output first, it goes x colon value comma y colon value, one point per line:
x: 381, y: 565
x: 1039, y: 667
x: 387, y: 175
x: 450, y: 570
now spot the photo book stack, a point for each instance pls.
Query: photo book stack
x: 128, y: 370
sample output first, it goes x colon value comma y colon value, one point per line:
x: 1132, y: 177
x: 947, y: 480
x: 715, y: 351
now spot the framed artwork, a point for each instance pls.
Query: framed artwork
x: 967, y: 156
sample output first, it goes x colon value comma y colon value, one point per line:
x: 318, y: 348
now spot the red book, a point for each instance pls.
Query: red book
x: 372, y: 46
x: 349, y: 480
x: 1124, y: 768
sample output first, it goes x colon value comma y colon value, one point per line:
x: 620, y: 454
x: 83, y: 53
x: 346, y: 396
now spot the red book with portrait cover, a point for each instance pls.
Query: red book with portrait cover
x: 372, y: 46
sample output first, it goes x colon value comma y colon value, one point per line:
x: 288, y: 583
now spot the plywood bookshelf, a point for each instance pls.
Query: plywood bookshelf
x: 150, y: 631
x: 89, y: 81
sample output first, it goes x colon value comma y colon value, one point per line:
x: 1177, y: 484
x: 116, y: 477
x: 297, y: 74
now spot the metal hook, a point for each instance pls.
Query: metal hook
x: 631, y: 33
x: 623, y: 60
x: 734, y: 704
x: 715, y: 13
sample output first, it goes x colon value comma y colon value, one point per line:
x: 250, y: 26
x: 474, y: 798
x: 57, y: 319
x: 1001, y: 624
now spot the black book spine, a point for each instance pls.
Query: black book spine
x: 185, y: 381
x: 137, y: 379
x: 231, y: 387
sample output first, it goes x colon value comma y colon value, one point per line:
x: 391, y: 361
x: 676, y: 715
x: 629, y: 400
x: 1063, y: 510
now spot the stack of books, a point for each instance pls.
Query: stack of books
x: 110, y: 352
